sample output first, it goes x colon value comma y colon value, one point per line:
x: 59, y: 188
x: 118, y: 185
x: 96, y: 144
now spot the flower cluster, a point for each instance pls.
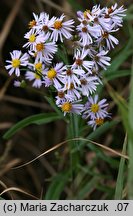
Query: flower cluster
x: 75, y: 82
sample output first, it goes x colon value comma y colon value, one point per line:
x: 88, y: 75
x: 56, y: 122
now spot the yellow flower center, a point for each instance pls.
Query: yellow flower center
x: 32, y: 23
x: 16, y: 63
x: 99, y: 121
x: 32, y: 38
x: 66, y: 107
x: 57, y: 24
x: 86, y: 14
x: 51, y: 73
x: 71, y: 86
x: 38, y: 66
x: 94, y: 108
x: 38, y: 75
x: 40, y: 47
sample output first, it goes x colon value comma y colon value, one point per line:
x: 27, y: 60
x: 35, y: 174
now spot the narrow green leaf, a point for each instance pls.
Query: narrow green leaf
x: 34, y: 119
x: 117, y: 74
x: 75, y: 5
x: 120, y: 177
x: 87, y: 188
x: 62, y: 54
x: 120, y: 58
x: 130, y: 143
x: 102, y: 129
x: 57, y: 186
x: 53, y: 105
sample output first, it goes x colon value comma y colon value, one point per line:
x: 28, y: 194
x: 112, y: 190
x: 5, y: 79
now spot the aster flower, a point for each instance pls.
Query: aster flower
x: 97, y: 11
x: 71, y: 107
x: 62, y: 29
x: 109, y: 39
x: 34, y: 38
x: 88, y: 85
x: 46, y: 24
x: 93, y: 39
x: 45, y: 50
x: 95, y: 109
x: 102, y: 22
x: 36, y: 20
x: 60, y: 98
x: 18, y: 83
x: 17, y: 59
x: 115, y: 14
x: 72, y: 76
x: 54, y: 76
x: 94, y: 123
x: 36, y: 74
x: 101, y: 59
x: 80, y: 62
x: 97, y: 18
x: 87, y: 32
x: 72, y: 93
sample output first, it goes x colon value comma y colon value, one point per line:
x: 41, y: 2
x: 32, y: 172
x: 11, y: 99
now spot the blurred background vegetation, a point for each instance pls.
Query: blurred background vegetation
x: 101, y: 174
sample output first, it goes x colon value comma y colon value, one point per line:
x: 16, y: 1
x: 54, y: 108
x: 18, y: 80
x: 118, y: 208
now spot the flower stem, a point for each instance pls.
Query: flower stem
x: 74, y: 150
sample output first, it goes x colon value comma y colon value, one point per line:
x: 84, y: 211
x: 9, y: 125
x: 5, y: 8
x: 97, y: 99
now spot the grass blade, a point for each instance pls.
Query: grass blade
x: 120, y: 177
x: 34, y: 119
x: 130, y: 144
x: 120, y: 58
x: 88, y: 187
x: 57, y: 186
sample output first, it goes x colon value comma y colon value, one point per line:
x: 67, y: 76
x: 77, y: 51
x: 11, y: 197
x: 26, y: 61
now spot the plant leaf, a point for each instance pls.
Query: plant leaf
x: 34, y: 119
x: 57, y: 185
x: 120, y: 177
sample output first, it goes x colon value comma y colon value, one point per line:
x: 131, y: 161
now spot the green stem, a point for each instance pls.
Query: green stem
x: 74, y: 150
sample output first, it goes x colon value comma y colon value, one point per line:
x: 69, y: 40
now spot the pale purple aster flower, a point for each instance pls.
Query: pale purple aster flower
x: 86, y: 32
x: 96, y: 18
x: 102, y: 22
x: 44, y: 50
x: 36, y: 20
x: 72, y: 92
x: 101, y: 59
x: 36, y: 74
x: 32, y: 76
x: 72, y: 107
x: 88, y: 85
x: 60, y: 98
x: 54, y: 76
x: 95, y: 109
x: 34, y: 38
x: 80, y: 62
x: 17, y: 83
x: 62, y: 29
x: 115, y: 14
x: 72, y: 76
x: 97, y: 11
x: 94, y: 123
x: 46, y: 24
x: 17, y: 59
x: 110, y: 39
